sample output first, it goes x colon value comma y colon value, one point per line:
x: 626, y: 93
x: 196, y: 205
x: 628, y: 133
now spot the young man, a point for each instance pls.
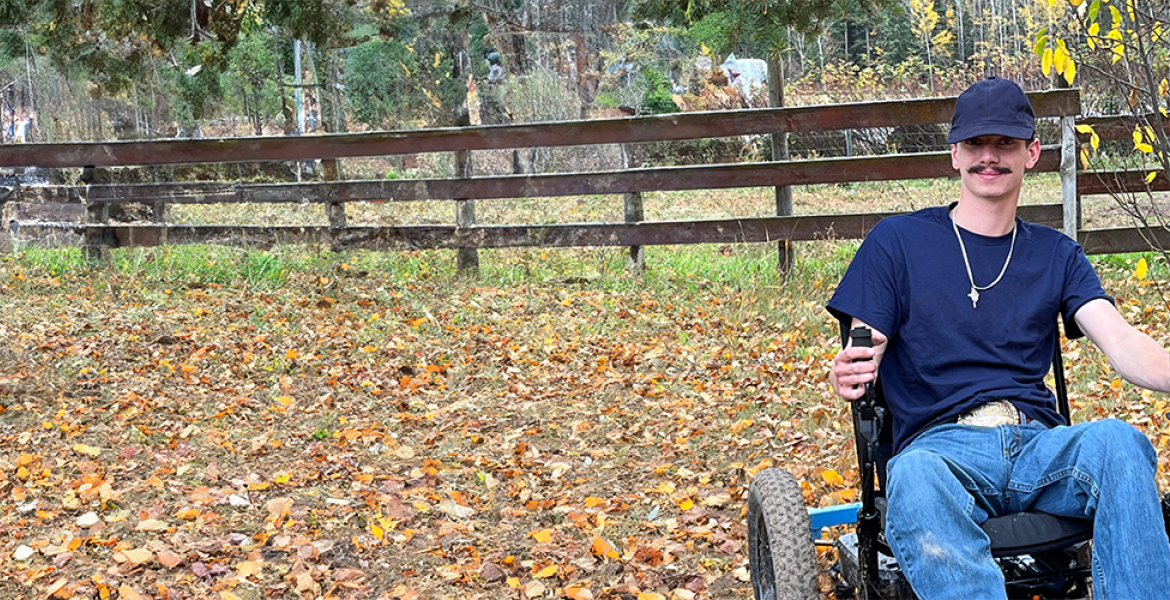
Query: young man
x: 963, y: 302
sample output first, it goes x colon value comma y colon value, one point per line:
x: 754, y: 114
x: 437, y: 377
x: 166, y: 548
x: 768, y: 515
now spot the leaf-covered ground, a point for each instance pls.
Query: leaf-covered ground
x: 342, y: 434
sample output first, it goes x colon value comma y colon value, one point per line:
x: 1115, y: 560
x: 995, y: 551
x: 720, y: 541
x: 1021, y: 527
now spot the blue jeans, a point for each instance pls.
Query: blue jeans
x: 953, y: 477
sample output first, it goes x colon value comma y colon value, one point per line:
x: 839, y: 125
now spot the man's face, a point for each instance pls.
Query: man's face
x: 992, y: 166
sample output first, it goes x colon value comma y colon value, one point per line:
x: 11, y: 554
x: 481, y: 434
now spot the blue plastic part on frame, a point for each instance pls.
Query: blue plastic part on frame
x: 830, y: 516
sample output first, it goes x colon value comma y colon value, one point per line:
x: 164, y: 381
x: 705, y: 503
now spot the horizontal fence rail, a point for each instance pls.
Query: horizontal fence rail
x: 1091, y: 183
x: 726, y: 231
x: 807, y: 172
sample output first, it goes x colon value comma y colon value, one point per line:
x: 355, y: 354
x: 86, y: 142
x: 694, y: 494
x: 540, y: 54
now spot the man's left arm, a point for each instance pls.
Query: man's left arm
x: 1136, y: 356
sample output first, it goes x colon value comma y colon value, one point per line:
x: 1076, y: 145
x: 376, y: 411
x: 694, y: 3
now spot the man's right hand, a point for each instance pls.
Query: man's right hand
x: 852, y: 368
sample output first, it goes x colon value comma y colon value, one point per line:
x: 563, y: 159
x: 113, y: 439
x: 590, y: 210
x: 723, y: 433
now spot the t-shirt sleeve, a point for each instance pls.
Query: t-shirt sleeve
x: 1081, y: 285
x: 868, y: 289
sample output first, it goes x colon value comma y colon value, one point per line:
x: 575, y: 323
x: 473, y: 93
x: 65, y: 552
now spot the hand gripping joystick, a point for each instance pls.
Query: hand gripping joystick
x: 862, y: 338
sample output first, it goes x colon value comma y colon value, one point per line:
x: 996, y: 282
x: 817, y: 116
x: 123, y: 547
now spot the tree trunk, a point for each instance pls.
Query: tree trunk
x: 962, y: 47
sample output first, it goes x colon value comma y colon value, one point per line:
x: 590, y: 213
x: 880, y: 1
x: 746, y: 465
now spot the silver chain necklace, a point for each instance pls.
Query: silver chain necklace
x: 974, y: 295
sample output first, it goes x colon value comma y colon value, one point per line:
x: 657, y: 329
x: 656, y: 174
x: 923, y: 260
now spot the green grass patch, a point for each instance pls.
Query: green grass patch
x: 1114, y: 266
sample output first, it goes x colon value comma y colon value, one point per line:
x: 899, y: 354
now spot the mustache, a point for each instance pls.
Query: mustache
x: 977, y: 169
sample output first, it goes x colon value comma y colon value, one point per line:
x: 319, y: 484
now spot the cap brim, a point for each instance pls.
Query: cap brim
x: 1013, y: 131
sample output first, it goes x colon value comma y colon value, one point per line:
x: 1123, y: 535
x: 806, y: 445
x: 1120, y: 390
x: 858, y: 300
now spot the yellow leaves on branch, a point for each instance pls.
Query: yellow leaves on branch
x: 1122, y: 34
x: 1094, y: 139
x: 1139, y: 139
x: 1118, y: 45
x: 1094, y: 143
x: 1054, y: 55
x: 1063, y: 63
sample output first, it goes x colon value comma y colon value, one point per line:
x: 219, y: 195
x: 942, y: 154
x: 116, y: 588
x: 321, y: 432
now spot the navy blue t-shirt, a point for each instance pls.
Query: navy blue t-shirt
x: 908, y: 280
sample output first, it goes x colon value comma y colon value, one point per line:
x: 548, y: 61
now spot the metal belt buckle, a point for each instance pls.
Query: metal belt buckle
x: 991, y: 414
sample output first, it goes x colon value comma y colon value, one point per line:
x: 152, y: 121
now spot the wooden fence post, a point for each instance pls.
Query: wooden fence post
x: 159, y: 217
x: 467, y: 259
x: 95, y: 240
x: 7, y: 245
x: 1068, y: 176
x: 785, y: 250
x: 633, y: 210
x: 335, y: 211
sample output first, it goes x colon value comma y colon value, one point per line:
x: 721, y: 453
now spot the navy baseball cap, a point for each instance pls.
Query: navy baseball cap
x: 993, y: 106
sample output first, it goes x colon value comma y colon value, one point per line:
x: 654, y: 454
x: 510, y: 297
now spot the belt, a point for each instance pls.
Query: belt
x: 992, y: 414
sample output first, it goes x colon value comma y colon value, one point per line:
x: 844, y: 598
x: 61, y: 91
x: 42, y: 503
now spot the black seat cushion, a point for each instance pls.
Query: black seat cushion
x: 1029, y: 532
x: 1018, y: 533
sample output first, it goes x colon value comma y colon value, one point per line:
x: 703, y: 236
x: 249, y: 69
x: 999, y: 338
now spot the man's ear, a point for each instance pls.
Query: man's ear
x: 1033, y: 153
x: 955, y: 156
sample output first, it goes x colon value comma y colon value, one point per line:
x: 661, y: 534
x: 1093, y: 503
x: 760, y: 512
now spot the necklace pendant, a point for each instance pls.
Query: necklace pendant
x: 974, y: 296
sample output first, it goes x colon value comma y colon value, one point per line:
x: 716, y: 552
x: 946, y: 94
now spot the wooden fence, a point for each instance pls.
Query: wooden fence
x: 465, y: 235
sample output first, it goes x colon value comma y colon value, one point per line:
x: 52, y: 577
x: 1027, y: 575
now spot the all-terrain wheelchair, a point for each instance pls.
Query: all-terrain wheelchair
x: 1042, y: 555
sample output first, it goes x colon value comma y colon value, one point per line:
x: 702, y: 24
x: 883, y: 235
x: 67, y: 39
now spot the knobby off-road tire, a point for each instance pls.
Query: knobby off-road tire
x: 781, y: 555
